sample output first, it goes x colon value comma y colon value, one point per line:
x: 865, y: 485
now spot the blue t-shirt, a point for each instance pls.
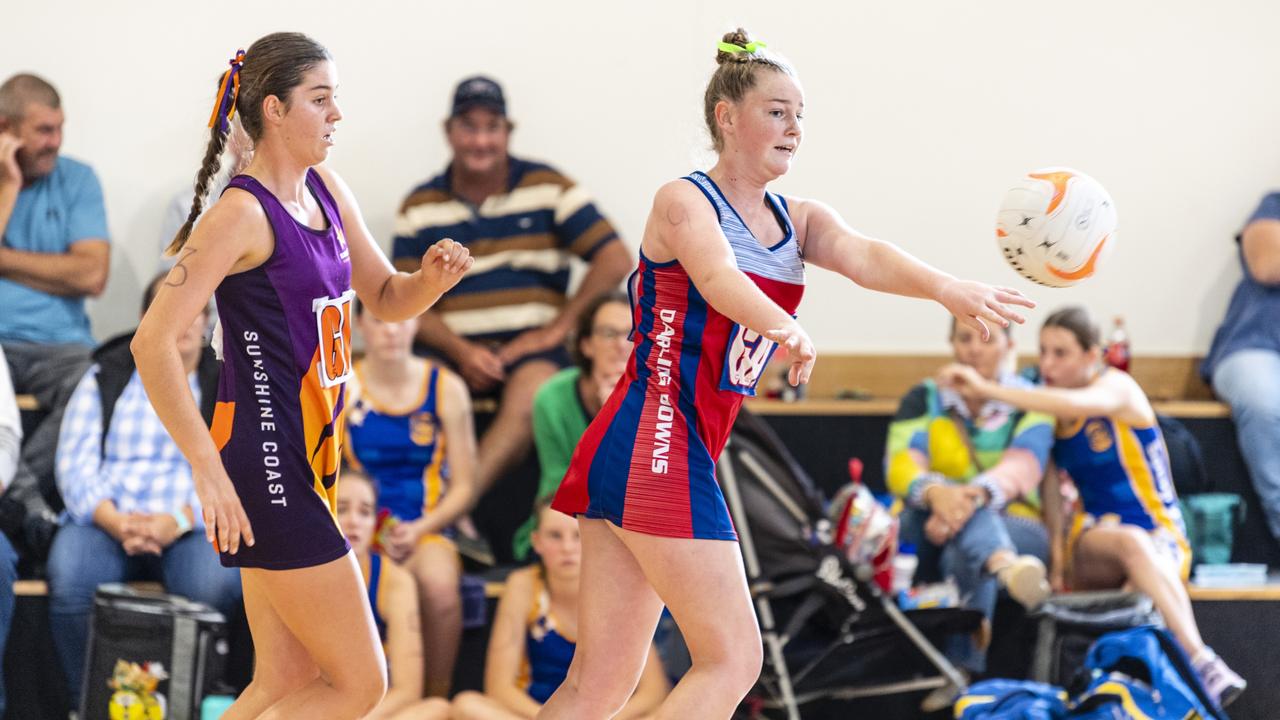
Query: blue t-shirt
x: 1251, y: 321
x: 50, y: 216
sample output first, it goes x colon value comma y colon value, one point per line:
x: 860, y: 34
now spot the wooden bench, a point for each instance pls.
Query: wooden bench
x: 1163, y: 377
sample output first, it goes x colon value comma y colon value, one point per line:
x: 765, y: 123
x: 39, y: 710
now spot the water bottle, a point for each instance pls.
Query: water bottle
x: 1117, y: 354
x: 214, y: 705
x: 904, y: 567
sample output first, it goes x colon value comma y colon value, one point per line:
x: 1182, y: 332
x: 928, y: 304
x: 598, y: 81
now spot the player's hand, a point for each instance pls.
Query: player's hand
x: 975, y: 304
x: 10, y: 172
x: 800, y: 351
x: 953, y: 505
x: 444, y: 264
x: 479, y: 366
x: 140, y: 545
x: 225, y: 522
x: 161, y: 528
x: 530, y: 342
x: 964, y: 380
x: 937, y: 532
x: 401, y: 540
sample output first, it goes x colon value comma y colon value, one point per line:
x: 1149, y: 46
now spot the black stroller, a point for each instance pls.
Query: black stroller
x: 829, y: 632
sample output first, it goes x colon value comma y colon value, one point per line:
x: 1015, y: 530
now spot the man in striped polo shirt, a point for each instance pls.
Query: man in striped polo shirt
x: 504, y: 326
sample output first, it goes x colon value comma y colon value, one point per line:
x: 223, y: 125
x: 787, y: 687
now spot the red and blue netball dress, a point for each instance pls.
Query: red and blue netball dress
x: 647, y: 461
x: 286, y: 329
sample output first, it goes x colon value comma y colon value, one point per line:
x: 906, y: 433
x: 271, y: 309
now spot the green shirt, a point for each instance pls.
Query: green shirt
x: 559, y: 420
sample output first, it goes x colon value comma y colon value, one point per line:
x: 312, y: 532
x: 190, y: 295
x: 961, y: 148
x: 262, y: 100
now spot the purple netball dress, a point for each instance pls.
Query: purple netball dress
x: 286, y: 330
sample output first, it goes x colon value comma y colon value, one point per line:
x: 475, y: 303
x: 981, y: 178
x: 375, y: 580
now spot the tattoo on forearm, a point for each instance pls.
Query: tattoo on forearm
x: 178, y: 275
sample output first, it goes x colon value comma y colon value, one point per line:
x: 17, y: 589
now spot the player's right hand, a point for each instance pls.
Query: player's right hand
x: 800, y: 351
x: 225, y: 523
x: 10, y: 172
x: 444, y: 264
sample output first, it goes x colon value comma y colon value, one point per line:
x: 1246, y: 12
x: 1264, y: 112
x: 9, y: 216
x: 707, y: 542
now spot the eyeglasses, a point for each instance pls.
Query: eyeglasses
x: 610, y: 333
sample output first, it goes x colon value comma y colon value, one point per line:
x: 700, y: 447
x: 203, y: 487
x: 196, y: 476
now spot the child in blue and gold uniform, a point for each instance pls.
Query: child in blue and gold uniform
x: 408, y: 424
x: 1127, y: 530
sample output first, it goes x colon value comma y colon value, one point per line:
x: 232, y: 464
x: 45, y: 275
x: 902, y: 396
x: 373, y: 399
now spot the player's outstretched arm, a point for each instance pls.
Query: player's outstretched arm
x: 829, y: 242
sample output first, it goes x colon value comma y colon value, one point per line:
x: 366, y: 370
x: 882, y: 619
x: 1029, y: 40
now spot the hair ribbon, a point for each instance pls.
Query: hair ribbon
x: 750, y: 47
x: 224, y: 107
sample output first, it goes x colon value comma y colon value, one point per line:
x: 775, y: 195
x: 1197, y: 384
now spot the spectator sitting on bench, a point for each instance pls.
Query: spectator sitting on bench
x: 393, y: 597
x: 55, y: 254
x: 131, y: 503
x: 565, y: 404
x: 10, y: 442
x: 1128, y: 531
x: 1243, y: 365
x: 504, y: 326
x: 532, y: 642
x: 968, y: 469
x: 409, y: 427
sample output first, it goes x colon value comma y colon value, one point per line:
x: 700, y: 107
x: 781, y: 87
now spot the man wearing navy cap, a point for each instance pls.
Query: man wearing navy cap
x: 504, y: 326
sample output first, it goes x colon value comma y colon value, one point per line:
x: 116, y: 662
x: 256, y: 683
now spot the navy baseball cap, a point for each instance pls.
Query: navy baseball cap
x: 478, y: 92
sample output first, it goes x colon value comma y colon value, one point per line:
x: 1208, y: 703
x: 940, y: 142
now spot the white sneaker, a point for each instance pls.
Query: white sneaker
x: 1220, y: 681
x: 1025, y: 579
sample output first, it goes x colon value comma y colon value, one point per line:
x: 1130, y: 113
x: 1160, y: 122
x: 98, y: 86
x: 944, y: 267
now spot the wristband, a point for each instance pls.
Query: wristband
x: 184, y: 525
x: 996, y: 494
x: 915, y: 493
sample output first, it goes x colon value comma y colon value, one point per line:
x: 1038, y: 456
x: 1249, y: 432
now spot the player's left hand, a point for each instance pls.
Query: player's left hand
x: 444, y: 264
x: 975, y: 304
x: 401, y: 541
x: 964, y: 380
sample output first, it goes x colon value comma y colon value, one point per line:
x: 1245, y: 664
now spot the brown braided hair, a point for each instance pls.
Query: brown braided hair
x: 273, y: 65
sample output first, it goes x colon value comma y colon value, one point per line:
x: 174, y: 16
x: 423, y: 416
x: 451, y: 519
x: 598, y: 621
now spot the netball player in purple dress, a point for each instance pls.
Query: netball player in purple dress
x: 284, y: 251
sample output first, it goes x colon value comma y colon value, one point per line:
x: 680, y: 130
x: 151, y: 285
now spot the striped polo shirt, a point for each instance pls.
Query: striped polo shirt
x: 523, y: 241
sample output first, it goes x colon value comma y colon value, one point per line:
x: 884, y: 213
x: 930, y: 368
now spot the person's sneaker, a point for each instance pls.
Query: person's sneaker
x: 1025, y: 580
x: 943, y: 697
x: 1221, y: 682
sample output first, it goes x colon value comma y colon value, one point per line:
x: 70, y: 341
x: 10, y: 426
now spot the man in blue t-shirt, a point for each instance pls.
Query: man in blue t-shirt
x: 54, y: 253
x: 1244, y: 362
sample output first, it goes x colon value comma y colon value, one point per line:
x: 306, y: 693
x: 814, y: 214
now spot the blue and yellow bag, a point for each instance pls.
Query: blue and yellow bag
x: 1012, y: 700
x: 1142, y: 674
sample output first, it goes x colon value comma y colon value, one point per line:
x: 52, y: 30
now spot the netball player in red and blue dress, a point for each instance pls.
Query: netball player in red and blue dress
x: 286, y: 251
x: 720, y: 277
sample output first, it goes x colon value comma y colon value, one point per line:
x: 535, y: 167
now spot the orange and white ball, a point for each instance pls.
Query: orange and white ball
x: 1056, y: 226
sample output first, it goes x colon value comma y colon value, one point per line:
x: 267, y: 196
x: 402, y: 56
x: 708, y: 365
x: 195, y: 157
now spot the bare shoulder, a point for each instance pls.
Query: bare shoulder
x: 1137, y: 407
x: 519, y: 584
x: 452, y: 384
x: 682, y: 198
x: 337, y: 186
x: 236, y: 227
x: 237, y: 206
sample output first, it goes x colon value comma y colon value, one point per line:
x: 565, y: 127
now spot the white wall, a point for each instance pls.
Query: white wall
x: 920, y: 114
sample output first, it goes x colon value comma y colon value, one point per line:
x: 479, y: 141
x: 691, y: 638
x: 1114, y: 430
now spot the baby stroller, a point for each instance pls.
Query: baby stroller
x: 829, y: 632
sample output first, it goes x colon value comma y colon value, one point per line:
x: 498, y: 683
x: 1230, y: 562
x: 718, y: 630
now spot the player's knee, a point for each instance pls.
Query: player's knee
x: 273, y: 683
x: 747, y: 661
x: 1134, y: 545
x: 440, y: 590
x: 470, y: 705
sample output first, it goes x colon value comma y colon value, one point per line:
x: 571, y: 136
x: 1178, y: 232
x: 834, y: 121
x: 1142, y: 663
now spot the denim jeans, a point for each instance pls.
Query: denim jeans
x: 8, y: 576
x: 1249, y: 381
x: 85, y: 556
x: 964, y: 559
